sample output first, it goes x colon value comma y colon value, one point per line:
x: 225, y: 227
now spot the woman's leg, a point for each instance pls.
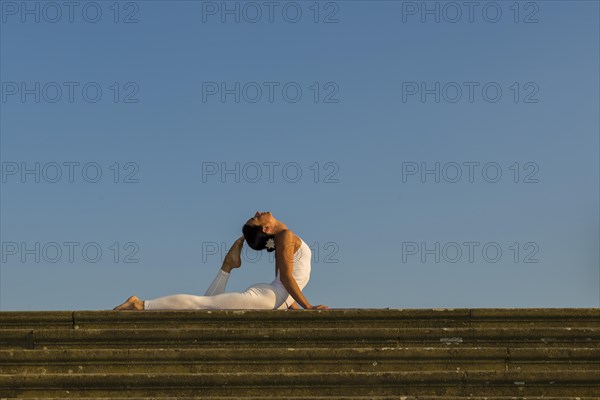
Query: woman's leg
x: 132, y: 303
x: 232, y: 260
x: 217, y: 287
x: 260, y: 296
x: 219, y: 284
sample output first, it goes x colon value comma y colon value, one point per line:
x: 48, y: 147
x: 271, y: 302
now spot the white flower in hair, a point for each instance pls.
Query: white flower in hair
x: 270, y: 244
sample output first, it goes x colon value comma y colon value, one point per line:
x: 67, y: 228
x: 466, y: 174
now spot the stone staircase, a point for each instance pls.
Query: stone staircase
x: 424, y: 354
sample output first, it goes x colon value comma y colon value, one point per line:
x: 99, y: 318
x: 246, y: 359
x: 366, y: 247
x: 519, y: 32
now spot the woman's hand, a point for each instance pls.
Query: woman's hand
x: 319, y: 307
x: 294, y: 306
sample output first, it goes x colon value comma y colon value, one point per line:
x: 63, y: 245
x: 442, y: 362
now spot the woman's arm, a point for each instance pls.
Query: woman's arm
x: 284, y: 261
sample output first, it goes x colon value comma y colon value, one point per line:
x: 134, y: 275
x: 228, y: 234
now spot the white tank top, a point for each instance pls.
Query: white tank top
x: 300, y: 271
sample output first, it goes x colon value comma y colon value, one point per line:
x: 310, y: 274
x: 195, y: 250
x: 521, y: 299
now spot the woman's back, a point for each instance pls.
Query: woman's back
x: 300, y: 270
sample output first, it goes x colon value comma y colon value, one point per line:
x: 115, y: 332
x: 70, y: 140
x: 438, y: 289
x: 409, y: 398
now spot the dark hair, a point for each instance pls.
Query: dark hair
x: 256, y: 238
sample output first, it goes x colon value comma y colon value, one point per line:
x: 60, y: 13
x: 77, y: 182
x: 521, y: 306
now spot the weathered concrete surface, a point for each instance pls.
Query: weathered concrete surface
x: 336, y: 317
x: 373, y: 397
x: 304, y: 337
x: 343, y: 354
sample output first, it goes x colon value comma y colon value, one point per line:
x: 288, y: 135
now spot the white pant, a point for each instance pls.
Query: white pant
x: 258, y: 296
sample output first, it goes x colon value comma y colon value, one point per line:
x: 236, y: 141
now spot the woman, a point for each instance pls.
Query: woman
x: 292, y: 272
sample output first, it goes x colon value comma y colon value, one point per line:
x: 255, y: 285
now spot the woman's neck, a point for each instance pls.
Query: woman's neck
x: 279, y: 227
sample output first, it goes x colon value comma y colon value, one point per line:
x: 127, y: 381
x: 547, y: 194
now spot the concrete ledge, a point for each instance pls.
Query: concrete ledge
x: 410, y: 354
x: 7, y: 317
x: 277, y: 360
x: 289, y: 379
x: 374, y: 397
x: 444, y: 336
x: 335, y: 317
x: 254, y: 354
x: 381, y: 383
x: 342, y: 398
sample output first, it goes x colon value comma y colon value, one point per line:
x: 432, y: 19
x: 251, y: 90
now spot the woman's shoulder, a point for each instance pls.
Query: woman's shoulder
x: 287, y: 236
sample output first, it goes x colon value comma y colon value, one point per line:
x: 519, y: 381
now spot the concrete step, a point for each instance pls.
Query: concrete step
x: 452, y: 383
x: 336, y: 318
x: 395, y: 397
x: 343, y: 354
x: 310, y: 337
x: 400, y: 397
x: 239, y: 359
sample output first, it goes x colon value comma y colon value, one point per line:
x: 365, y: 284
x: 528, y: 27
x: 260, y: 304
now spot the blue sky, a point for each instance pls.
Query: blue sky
x: 373, y: 130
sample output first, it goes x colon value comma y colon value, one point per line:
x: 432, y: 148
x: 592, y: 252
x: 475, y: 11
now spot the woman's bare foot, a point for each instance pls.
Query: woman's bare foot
x: 233, y: 258
x: 132, y: 303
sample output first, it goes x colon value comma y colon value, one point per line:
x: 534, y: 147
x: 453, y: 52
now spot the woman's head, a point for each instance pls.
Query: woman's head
x: 258, y: 230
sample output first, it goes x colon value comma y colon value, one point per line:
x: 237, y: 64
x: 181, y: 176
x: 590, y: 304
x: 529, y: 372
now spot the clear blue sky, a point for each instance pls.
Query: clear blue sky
x: 361, y: 131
